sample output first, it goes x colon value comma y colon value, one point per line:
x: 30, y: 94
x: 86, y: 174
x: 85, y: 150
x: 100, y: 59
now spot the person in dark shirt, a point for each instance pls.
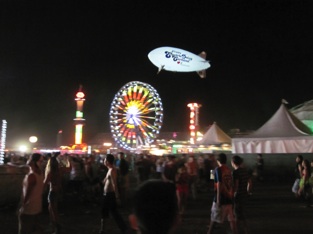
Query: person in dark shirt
x: 260, y: 167
x: 122, y: 178
x: 155, y: 208
x: 242, y: 187
x: 222, y: 206
x: 170, y: 169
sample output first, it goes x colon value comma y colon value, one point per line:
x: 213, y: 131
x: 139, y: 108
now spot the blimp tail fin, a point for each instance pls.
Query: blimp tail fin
x: 202, y: 73
x: 203, y: 54
x: 160, y: 68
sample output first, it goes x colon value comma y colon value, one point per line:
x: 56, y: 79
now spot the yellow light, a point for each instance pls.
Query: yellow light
x: 22, y: 148
x: 78, y: 134
x: 80, y: 95
x: 33, y: 139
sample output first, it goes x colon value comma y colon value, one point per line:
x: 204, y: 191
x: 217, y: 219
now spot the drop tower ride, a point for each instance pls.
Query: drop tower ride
x: 79, y: 121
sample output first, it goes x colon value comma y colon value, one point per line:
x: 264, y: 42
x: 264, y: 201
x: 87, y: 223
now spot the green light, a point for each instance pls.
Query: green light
x: 79, y: 114
x: 309, y: 123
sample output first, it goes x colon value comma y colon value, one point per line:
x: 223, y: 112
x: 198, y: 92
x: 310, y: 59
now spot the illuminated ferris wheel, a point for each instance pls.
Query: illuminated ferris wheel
x: 136, y: 115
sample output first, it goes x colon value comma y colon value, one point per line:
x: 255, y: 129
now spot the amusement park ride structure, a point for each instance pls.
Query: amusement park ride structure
x: 79, y: 120
x: 136, y: 116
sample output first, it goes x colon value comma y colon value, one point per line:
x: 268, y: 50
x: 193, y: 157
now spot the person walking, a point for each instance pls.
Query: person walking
x: 192, y: 170
x: 122, y: 178
x: 298, y: 174
x: 260, y: 167
x: 53, y: 179
x: 77, y: 176
x: 170, y: 169
x: 110, y: 196
x: 242, y: 187
x: 143, y: 168
x: 222, y: 206
x: 305, y: 186
x: 31, y: 202
x: 182, y: 188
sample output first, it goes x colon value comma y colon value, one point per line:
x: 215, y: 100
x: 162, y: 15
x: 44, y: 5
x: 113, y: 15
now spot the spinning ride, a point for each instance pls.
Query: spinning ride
x: 136, y: 115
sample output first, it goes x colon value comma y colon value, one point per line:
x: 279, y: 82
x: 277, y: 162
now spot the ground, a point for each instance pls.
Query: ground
x: 272, y: 208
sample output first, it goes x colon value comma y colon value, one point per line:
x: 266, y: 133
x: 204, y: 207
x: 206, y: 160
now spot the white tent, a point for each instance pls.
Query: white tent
x: 215, y: 136
x: 282, y: 133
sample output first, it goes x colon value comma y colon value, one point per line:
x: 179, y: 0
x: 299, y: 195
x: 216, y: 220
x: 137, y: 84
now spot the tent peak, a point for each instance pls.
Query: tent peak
x: 283, y: 101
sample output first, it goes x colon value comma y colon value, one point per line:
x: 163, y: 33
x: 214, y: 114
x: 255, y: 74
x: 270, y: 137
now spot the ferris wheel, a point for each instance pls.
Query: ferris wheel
x: 136, y: 115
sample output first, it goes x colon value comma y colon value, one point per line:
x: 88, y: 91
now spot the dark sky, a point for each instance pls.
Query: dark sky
x: 260, y: 52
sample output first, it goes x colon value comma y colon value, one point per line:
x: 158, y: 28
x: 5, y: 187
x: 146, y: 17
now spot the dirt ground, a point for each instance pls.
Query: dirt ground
x: 272, y: 208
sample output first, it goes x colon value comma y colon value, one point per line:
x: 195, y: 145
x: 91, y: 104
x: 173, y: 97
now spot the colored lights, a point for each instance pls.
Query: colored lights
x: 193, y: 123
x: 79, y: 121
x: 79, y: 114
x: 136, y: 115
x: 3, y: 140
x: 78, y: 134
x: 80, y: 95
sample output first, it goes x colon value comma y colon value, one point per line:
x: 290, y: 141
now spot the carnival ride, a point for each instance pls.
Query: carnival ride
x: 136, y: 115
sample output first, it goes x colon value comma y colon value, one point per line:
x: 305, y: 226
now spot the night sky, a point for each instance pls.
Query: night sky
x: 260, y: 52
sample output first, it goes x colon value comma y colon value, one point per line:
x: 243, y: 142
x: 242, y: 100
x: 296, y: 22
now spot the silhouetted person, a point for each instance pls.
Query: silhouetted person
x: 170, y: 169
x: 53, y: 180
x: 122, y: 179
x: 242, y: 187
x: 260, y: 167
x: 155, y: 208
x: 144, y: 167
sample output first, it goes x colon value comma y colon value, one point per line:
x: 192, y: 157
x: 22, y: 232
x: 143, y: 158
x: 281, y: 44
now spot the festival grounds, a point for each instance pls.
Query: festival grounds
x: 272, y: 208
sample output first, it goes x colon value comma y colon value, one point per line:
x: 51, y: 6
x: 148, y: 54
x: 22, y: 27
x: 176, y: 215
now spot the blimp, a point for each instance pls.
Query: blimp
x: 179, y: 60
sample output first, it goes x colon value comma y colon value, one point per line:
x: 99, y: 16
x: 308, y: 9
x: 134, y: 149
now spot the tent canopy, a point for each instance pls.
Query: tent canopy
x: 215, y: 136
x: 282, y: 124
x: 282, y: 133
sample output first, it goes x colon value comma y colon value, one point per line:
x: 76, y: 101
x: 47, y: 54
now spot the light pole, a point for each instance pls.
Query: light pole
x: 59, y: 139
x: 33, y: 140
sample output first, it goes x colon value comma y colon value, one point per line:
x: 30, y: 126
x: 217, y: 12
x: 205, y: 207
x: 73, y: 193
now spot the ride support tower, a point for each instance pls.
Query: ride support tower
x: 194, y: 121
x: 79, y: 121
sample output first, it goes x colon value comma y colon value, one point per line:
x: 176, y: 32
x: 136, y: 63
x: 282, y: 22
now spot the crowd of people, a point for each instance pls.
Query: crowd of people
x: 164, y: 187
x: 303, y: 185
